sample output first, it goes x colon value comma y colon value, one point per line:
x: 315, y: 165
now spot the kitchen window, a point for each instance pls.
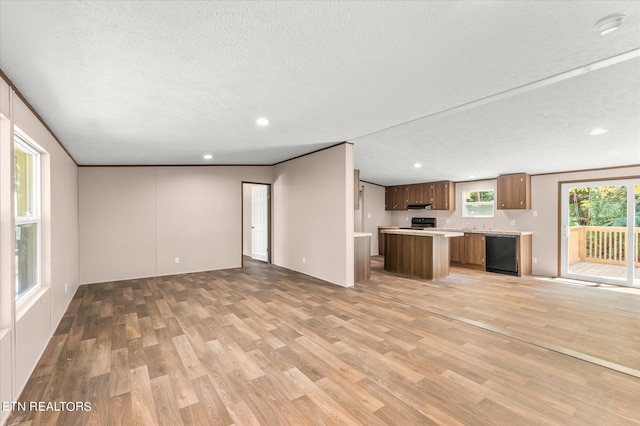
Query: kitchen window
x: 478, y: 203
x: 27, y: 199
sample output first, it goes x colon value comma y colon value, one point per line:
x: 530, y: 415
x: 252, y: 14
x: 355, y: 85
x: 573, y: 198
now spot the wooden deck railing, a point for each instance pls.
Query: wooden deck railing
x: 601, y: 244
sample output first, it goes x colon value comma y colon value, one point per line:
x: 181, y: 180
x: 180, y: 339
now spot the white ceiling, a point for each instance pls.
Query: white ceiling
x: 465, y: 88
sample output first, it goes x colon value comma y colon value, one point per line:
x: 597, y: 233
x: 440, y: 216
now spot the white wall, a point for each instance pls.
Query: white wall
x: 544, y: 202
x: 117, y: 223
x: 6, y: 381
x: 59, y: 245
x: 373, y: 206
x: 32, y: 333
x: 358, y: 225
x: 313, y: 214
x: 7, y: 313
x: 199, y: 217
x: 28, y: 329
x: 134, y: 221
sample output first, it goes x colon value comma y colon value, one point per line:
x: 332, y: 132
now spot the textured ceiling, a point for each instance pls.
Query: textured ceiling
x: 466, y: 88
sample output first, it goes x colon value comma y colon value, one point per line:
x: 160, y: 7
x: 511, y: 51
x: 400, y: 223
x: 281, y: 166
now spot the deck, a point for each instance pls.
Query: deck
x: 601, y: 251
x: 602, y: 270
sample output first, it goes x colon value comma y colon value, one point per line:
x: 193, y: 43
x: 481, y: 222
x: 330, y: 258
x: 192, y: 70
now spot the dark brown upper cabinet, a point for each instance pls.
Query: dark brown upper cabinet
x: 396, y: 197
x: 441, y: 195
x: 444, y: 195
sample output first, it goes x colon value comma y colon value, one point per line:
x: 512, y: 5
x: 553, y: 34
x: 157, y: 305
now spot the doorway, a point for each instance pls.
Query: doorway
x: 256, y: 208
x: 600, y: 222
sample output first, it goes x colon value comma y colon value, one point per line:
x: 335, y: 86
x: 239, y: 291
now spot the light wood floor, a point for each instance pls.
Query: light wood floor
x: 596, y: 323
x: 264, y: 345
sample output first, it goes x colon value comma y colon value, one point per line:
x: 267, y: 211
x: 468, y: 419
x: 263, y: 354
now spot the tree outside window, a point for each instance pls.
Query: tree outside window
x: 600, y: 206
x: 478, y: 203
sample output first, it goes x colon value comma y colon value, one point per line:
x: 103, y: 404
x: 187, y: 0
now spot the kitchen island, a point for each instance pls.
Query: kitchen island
x: 418, y: 253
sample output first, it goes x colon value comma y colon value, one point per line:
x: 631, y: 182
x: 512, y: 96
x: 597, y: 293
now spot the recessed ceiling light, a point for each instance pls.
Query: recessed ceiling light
x: 472, y: 176
x: 207, y: 156
x: 262, y: 121
x: 608, y: 24
x: 417, y: 165
x: 598, y: 131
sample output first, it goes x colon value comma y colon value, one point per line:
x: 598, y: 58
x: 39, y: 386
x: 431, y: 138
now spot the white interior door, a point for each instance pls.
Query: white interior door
x: 259, y: 223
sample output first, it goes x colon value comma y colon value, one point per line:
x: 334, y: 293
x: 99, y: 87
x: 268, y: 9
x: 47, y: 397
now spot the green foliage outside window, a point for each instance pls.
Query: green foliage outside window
x: 600, y: 206
x: 478, y: 204
x: 477, y: 196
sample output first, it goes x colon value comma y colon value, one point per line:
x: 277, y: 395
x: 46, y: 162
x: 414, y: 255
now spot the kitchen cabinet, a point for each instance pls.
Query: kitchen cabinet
x: 474, y: 250
x: 441, y: 195
x: 456, y: 250
x: 525, y: 258
x: 468, y: 251
x: 427, y: 193
x: 396, y: 197
x: 420, y: 193
x: 403, y: 199
x: 414, y: 195
x: 390, y: 197
x: 514, y: 192
x: 444, y: 195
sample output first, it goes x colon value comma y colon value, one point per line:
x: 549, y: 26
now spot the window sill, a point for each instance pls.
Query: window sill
x: 478, y: 217
x: 23, y: 306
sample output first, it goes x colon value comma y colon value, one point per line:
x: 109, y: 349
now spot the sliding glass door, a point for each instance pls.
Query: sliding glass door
x: 636, y: 232
x: 599, y: 231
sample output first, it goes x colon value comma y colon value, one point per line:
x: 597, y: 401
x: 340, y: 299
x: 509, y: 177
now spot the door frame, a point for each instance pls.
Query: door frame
x: 269, y: 217
x: 630, y: 243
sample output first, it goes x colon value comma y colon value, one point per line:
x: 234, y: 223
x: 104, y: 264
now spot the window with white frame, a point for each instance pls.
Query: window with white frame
x: 478, y: 203
x: 27, y: 200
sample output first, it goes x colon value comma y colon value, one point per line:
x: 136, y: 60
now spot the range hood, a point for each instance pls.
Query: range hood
x: 419, y: 207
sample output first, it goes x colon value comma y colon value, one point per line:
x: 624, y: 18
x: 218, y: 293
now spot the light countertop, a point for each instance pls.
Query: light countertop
x: 486, y: 231
x: 433, y: 232
x: 362, y: 234
x: 460, y: 230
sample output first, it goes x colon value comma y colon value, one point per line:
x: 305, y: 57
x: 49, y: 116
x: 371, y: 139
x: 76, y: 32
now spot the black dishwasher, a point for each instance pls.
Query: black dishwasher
x: 502, y: 254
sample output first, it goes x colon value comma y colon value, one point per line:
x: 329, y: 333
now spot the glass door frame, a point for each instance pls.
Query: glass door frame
x: 630, y: 243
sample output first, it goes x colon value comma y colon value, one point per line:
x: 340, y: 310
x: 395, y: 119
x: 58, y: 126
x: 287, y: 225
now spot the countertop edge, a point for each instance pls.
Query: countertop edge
x: 490, y: 231
x: 362, y: 234
x: 460, y: 230
x: 425, y: 233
